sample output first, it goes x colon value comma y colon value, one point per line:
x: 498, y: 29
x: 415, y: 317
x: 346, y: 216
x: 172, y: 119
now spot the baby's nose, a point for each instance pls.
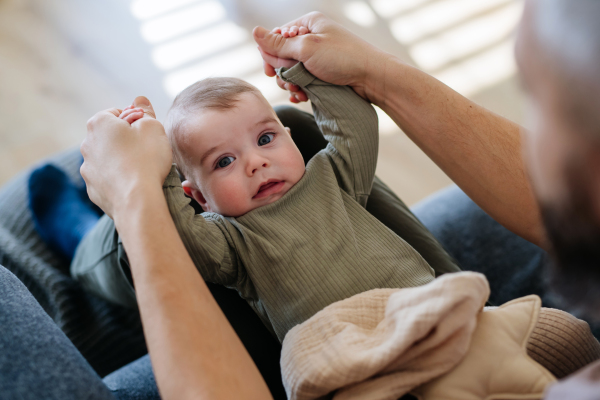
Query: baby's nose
x: 256, y: 164
x: 256, y: 169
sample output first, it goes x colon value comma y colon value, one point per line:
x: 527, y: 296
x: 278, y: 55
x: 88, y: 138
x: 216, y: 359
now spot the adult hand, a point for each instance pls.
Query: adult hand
x: 329, y: 51
x: 121, y: 160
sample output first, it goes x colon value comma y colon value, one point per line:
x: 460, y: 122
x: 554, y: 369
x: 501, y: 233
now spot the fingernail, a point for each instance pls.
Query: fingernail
x: 141, y: 101
x: 259, y: 32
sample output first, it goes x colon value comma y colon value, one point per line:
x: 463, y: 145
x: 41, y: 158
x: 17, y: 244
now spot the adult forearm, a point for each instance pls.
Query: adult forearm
x: 478, y: 149
x: 195, y: 353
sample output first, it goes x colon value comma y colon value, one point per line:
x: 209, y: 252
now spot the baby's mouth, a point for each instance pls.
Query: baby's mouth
x: 268, y: 188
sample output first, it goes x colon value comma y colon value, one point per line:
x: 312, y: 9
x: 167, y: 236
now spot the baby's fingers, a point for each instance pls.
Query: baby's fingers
x: 281, y: 83
x: 129, y: 110
x: 134, y: 116
x: 299, y: 95
x: 122, y: 112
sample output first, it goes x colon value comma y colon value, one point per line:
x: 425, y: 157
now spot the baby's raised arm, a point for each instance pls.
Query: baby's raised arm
x: 350, y: 125
x: 204, y: 241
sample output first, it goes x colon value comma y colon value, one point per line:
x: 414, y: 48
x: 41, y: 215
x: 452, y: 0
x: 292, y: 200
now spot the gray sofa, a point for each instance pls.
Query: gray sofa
x: 107, y: 335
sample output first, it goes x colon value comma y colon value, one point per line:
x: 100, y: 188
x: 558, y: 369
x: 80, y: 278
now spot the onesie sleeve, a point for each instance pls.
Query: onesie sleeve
x: 204, y: 238
x: 350, y: 125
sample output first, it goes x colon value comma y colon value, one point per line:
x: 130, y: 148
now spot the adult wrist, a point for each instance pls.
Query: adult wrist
x: 379, y: 70
x: 373, y: 81
x: 139, y: 196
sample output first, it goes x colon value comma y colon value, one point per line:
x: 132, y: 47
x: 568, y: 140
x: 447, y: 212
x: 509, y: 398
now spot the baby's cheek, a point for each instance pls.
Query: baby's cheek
x: 232, y: 198
x: 294, y: 163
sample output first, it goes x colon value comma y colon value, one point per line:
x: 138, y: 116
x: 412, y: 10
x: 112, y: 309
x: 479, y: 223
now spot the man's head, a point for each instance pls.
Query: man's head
x: 232, y: 149
x: 558, y: 52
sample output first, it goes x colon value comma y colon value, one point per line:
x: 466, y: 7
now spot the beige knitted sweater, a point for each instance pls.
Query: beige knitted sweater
x: 317, y: 244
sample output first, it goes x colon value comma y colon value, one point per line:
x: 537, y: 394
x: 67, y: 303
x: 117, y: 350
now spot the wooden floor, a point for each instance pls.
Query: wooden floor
x: 63, y: 60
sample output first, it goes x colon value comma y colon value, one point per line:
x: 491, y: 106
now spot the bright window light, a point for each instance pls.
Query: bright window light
x: 466, y: 38
x: 201, y: 44
x: 184, y: 21
x: 237, y: 62
x: 483, y: 71
x: 390, y: 8
x: 360, y: 13
x: 268, y: 86
x: 387, y: 126
x: 437, y: 16
x: 144, y: 9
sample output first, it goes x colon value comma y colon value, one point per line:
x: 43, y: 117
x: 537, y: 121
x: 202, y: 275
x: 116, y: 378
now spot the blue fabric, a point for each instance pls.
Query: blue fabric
x: 134, y: 381
x: 62, y: 212
x: 37, y: 361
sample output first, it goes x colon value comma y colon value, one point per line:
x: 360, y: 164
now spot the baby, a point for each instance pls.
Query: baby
x: 290, y: 239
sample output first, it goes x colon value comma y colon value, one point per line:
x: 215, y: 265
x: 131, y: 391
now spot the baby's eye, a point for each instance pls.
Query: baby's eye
x: 265, y: 139
x: 225, y: 161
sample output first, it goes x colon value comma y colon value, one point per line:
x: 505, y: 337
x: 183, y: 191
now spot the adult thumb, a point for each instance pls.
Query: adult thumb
x: 275, y: 44
x: 143, y: 103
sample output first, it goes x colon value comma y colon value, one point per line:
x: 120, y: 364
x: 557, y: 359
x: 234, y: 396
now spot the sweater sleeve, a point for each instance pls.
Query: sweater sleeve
x: 203, y: 237
x: 350, y: 125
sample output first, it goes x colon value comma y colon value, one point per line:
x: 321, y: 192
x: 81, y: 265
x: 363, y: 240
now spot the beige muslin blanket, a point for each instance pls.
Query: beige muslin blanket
x: 382, y: 343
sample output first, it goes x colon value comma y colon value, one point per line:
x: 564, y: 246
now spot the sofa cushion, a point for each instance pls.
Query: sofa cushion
x: 107, y: 335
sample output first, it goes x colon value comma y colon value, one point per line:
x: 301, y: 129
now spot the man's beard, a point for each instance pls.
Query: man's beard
x: 574, y: 236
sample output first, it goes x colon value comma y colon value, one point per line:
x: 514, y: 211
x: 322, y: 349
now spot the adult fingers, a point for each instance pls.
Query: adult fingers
x: 114, y: 111
x: 103, y: 116
x: 143, y: 103
x: 276, y: 45
x: 276, y: 62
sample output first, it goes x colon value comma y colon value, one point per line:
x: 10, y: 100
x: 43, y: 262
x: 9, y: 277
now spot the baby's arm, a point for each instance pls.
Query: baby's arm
x: 349, y: 123
x: 204, y: 240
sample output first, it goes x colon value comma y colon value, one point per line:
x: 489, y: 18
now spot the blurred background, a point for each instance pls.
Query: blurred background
x: 61, y: 61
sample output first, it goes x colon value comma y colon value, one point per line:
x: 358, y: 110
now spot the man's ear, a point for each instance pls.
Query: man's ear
x: 195, y: 194
x: 288, y: 130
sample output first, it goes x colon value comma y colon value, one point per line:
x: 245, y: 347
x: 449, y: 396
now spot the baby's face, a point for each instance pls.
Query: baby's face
x: 240, y: 159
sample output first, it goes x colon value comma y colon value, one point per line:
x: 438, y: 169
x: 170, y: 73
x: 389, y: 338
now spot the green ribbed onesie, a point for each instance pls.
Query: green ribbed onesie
x: 317, y: 244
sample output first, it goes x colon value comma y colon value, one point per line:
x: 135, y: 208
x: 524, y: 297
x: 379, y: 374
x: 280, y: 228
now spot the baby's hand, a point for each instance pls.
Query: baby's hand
x: 290, y: 32
x: 131, y: 114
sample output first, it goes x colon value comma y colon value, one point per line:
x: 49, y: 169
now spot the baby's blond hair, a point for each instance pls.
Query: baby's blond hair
x: 211, y: 93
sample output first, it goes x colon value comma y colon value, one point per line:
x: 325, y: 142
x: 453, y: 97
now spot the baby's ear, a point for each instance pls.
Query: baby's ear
x: 195, y: 194
x: 288, y: 130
